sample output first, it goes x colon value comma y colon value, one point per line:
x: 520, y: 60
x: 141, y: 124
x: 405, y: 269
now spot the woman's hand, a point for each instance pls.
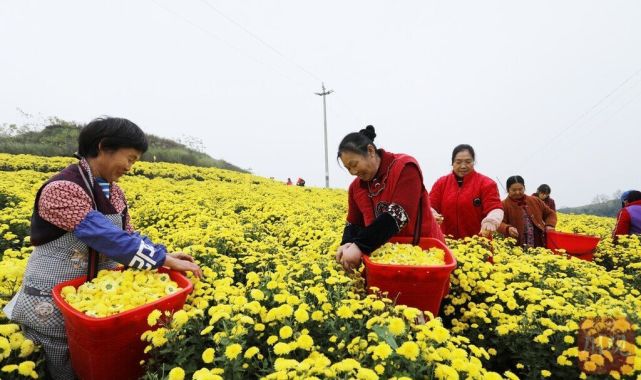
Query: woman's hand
x: 340, y: 250
x: 549, y: 228
x: 351, y: 258
x: 513, y: 232
x: 438, y: 217
x: 491, y: 222
x: 182, y: 262
x: 487, y: 229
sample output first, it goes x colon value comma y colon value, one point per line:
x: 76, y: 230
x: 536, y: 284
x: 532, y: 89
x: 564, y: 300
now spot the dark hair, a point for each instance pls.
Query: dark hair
x: 544, y: 189
x: 462, y: 147
x: 110, y: 133
x: 514, y: 179
x: 357, y: 142
x: 633, y: 196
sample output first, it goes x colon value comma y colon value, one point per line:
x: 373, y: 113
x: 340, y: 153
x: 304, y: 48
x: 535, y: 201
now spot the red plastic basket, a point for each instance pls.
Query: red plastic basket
x: 422, y: 287
x: 577, y: 245
x: 110, y: 347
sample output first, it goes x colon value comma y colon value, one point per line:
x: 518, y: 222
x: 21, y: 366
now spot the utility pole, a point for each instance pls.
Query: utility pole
x: 323, y: 94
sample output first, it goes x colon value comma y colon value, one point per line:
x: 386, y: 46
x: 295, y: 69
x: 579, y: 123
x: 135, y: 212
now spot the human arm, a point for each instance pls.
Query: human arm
x: 623, y: 223
x: 67, y: 206
x: 507, y: 230
x: 132, y: 250
x: 491, y: 222
x: 492, y: 207
x: 349, y: 233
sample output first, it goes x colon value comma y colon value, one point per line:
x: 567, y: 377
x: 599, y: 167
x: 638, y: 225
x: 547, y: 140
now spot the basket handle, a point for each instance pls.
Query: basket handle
x: 419, y: 221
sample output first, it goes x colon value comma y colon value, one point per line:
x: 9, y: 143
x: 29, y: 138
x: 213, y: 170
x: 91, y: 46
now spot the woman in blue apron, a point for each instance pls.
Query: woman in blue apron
x: 80, y: 225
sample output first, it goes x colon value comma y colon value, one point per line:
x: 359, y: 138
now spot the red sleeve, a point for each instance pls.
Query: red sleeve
x: 490, y: 196
x: 552, y: 205
x: 354, y: 215
x: 64, y: 204
x: 408, y: 191
x: 623, y: 223
x: 436, y: 194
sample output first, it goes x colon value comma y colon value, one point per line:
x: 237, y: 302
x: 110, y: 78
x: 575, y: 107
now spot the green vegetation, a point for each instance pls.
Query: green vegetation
x: 61, y: 139
x: 607, y: 208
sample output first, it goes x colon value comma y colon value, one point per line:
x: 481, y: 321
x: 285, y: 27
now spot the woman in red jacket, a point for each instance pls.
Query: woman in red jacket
x: 386, y: 199
x: 465, y: 202
x: 527, y: 218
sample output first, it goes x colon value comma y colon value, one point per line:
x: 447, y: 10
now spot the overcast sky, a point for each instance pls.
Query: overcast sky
x: 550, y: 90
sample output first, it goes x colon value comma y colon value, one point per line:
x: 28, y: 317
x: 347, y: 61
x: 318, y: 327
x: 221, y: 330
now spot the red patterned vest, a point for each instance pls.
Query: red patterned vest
x: 373, y: 202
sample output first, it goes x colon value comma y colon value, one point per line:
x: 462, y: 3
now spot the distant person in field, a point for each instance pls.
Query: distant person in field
x: 526, y: 218
x: 629, y: 218
x: 289, y: 182
x: 300, y: 182
x: 466, y: 202
x: 80, y: 225
x: 386, y: 199
x: 543, y: 193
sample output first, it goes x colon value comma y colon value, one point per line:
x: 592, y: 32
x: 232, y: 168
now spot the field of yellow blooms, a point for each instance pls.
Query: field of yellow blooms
x: 273, y: 303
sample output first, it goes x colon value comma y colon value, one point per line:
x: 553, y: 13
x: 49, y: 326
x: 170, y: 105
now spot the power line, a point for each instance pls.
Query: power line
x: 580, y: 118
x: 262, y: 41
x: 588, y: 131
x: 237, y: 49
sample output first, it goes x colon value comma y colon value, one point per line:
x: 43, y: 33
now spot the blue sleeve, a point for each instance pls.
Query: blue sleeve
x: 144, y: 238
x: 132, y: 250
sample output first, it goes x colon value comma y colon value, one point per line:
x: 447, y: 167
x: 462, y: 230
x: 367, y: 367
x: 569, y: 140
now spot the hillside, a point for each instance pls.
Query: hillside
x: 608, y: 208
x: 60, y: 140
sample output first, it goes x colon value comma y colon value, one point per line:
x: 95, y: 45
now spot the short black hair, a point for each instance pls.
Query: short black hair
x: 514, y: 179
x: 459, y: 148
x: 357, y: 142
x: 633, y: 196
x: 110, y: 133
x: 544, y: 189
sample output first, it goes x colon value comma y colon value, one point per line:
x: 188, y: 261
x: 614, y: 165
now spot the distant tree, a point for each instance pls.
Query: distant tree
x: 10, y: 130
x: 192, y: 142
x: 617, y: 194
x: 600, y: 198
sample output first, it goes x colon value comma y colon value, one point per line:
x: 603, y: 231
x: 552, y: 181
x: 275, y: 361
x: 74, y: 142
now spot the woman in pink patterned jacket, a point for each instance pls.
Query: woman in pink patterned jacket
x: 78, y: 213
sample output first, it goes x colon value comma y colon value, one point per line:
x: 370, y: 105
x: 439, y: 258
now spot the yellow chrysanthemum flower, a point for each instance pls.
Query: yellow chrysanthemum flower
x: 233, y: 350
x: 208, y: 355
x: 176, y: 373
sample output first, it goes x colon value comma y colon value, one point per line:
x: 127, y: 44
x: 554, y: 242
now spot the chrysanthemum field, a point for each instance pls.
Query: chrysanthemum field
x: 275, y: 305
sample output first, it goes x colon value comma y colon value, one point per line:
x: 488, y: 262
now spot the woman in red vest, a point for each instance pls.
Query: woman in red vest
x: 466, y: 202
x: 386, y: 199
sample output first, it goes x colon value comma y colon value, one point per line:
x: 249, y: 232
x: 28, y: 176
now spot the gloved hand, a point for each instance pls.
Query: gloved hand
x: 491, y: 222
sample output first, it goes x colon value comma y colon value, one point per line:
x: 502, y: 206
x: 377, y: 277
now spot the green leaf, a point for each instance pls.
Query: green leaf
x: 384, y: 334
